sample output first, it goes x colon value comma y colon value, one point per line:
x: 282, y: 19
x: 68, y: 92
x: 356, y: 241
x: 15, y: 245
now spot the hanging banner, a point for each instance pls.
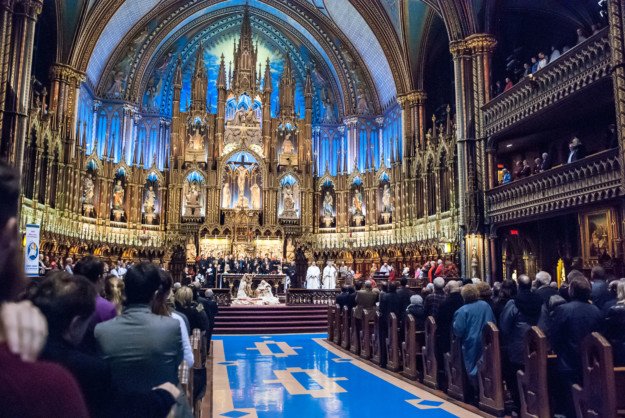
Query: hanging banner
x: 31, y: 251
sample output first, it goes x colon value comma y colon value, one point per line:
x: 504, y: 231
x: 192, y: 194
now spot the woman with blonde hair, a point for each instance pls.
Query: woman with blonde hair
x: 114, y: 292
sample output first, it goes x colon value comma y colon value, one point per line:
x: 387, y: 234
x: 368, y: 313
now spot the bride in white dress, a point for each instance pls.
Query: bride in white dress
x: 265, y: 294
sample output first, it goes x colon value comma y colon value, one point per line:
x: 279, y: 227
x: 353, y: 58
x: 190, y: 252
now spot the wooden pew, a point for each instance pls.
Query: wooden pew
x: 533, y: 384
x: 337, y: 324
x: 392, y: 344
x: 185, y: 377
x: 331, y: 313
x: 430, y: 363
x: 489, y: 372
x: 411, y: 349
x: 603, y: 385
x: 345, y: 328
x: 454, y: 368
x: 376, y: 340
x: 196, y: 346
x: 368, y: 323
x: 201, y: 337
x: 354, y: 334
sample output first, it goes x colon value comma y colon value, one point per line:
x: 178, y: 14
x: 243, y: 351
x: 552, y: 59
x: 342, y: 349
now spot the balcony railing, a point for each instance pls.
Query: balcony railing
x: 592, y: 179
x: 576, y: 69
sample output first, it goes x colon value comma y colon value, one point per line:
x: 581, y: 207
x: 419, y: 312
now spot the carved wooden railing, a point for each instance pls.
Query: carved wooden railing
x: 576, y: 69
x: 589, y: 180
x: 311, y: 296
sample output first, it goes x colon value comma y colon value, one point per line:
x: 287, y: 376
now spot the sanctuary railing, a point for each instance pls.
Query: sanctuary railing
x: 311, y: 296
x: 590, y: 180
x: 583, y: 65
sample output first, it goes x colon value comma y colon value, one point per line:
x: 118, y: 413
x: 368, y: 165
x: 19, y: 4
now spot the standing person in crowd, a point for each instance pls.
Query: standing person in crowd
x: 576, y: 150
x: 534, y: 65
x: 507, y: 178
x: 312, y: 276
x: 212, y: 309
x: 28, y: 388
x: 486, y: 293
x: 142, y: 349
x: 542, y: 60
x: 521, y: 313
x: 508, y: 291
x: 615, y: 326
x: 415, y: 308
x: 580, y: 35
x: 186, y: 305
x: 341, y: 299
x: 555, y: 53
x: 405, y: 271
x: 599, y: 294
x: 114, y: 292
x: 434, y: 300
x: 92, y: 268
x: 469, y: 321
x: 537, y: 164
x: 509, y: 84
x: 403, y: 294
x: 572, y: 322
x: 68, y: 302
x: 544, y: 290
x: 518, y: 170
x: 526, y: 170
x: 546, y: 162
x: 68, y: 265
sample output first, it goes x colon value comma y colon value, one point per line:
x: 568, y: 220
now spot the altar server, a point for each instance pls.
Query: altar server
x: 312, y: 276
x: 329, y: 276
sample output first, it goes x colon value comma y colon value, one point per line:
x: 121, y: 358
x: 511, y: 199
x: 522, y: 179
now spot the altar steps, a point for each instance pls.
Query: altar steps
x: 278, y: 319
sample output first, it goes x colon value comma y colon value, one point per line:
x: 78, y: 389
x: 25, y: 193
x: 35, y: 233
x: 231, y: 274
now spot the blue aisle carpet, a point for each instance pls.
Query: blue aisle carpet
x: 295, y: 376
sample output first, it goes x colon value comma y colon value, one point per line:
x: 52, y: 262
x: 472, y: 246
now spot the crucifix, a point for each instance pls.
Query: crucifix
x: 241, y: 171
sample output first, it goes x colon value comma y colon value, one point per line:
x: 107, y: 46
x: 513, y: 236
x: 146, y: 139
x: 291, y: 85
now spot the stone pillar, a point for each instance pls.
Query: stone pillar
x: 472, y: 58
x: 15, y: 111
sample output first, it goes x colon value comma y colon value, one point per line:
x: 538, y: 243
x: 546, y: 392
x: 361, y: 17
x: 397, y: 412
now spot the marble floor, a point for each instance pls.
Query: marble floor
x: 300, y: 375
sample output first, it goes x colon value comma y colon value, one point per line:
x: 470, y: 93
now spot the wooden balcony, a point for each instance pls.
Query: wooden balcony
x: 590, y: 180
x: 580, y: 68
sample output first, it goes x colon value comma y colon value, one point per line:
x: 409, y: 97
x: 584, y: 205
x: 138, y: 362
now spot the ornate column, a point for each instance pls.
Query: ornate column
x: 126, y: 139
x: 472, y: 82
x: 94, y: 134
x: 15, y: 112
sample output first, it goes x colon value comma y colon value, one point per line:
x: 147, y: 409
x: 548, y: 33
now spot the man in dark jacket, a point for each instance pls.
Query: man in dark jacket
x: 341, y: 299
x: 599, y: 294
x: 545, y: 291
x: 572, y: 322
x: 351, y: 299
x: 403, y: 295
x: 521, y: 313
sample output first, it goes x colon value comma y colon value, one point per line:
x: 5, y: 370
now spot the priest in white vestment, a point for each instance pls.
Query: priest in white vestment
x: 329, y: 276
x: 312, y: 276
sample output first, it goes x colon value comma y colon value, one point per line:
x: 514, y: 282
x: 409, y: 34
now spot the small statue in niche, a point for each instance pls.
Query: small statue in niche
x: 193, y: 200
x: 255, y: 189
x: 287, y: 144
x: 288, y: 202
x: 386, y: 199
x: 118, y: 196
x: 226, y: 197
x: 149, y: 204
x: 89, y: 190
x: 328, y: 204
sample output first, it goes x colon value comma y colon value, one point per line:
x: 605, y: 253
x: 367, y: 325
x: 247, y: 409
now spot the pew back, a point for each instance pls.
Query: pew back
x: 489, y: 372
x: 532, y: 382
x: 430, y: 363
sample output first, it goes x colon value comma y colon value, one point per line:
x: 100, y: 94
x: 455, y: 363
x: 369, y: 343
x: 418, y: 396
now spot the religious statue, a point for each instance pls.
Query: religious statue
x: 255, y: 196
x: 358, y: 204
x: 386, y: 199
x: 288, y: 202
x: 191, y: 251
x: 287, y: 145
x: 89, y: 190
x: 118, y: 196
x: 149, y: 204
x: 250, y: 115
x: 196, y: 142
x: 242, y: 200
x: 193, y: 201
x: 328, y: 203
x: 226, y: 197
x: 116, y: 87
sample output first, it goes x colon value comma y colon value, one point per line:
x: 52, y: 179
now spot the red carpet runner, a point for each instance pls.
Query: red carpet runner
x: 278, y: 319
